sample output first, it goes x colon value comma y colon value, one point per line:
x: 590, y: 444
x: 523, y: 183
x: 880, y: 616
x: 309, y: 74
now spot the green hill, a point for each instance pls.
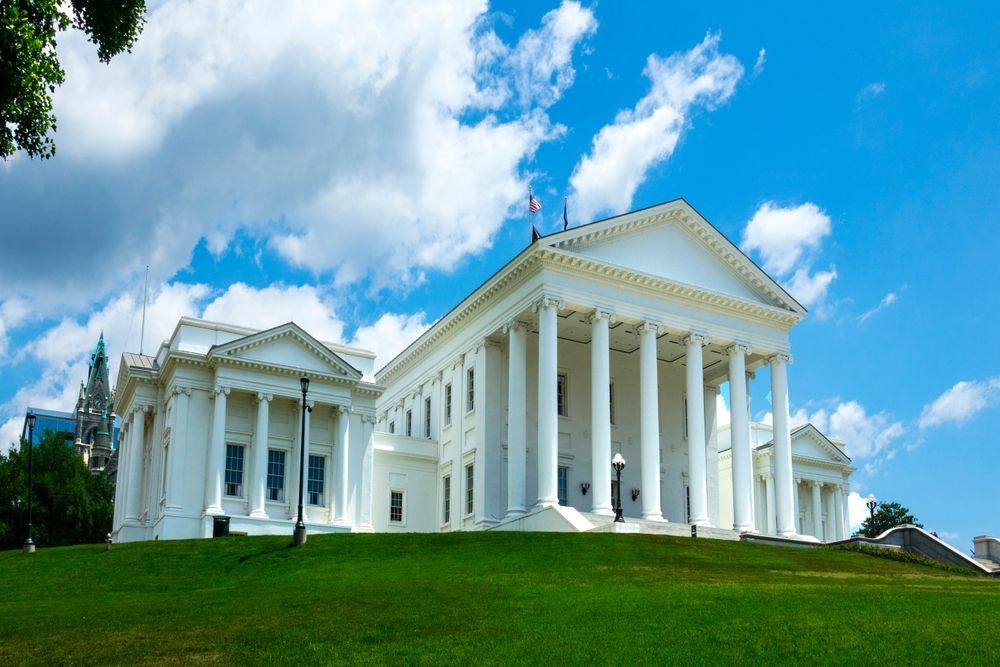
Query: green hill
x: 488, y: 598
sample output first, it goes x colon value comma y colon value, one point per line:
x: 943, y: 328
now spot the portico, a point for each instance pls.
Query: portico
x: 615, y: 336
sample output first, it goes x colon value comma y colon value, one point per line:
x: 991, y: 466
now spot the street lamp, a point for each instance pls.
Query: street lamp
x: 618, y: 463
x: 871, y: 504
x: 29, y: 544
x: 299, y: 537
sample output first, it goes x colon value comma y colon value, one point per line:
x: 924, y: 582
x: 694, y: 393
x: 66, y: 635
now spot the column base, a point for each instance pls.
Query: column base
x: 702, y: 523
x: 341, y: 522
x: 258, y: 514
x: 788, y: 533
x: 212, y: 510
x: 745, y: 529
x: 514, y: 512
x: 654, y: 516
x: 546, y: 503
x: 603, y: 511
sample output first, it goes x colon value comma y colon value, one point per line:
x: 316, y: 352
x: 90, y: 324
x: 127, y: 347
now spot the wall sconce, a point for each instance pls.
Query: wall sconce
x: 635, y: 494
x: 584, y: 487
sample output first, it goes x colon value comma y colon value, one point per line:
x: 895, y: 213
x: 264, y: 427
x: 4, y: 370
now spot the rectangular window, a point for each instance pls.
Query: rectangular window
x: 392, y: 427
x: 611, y: 394
x: 396, y: 507
x: 427, y: 417
x: 561, y: 395
x: 470, y: 475
x: 470, y: 388
x: 409, y: 423
x: 563, y: 483
x: 317, y: 477
x: 275, y: 475
x: 234, y: 470
x: 446, y: 500
x: 447, y: 404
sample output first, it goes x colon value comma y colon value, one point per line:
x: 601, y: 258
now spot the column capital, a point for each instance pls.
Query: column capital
x: 602, y: 314
x: 739, y: 348
x: 650, y: 325
x: 781, y: 357
x: 547, y: 301
x: 140, y: 409
x: 514, y: 325
x: 264, y: 398
x: 816, y: 483
x: 179, y: 389
x: 220, y: 390
x: 696, y: 339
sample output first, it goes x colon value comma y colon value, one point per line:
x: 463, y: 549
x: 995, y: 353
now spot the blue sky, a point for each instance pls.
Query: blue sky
x: 360, y: 169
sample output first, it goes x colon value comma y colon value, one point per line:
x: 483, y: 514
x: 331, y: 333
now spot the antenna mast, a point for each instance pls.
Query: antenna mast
x: 145, y: 292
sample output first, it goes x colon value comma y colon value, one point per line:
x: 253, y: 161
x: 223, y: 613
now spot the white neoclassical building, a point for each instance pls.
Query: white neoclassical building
x: 611, y: 337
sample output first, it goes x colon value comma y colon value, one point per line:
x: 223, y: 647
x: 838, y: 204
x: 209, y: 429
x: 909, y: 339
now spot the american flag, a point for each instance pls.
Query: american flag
x: 534, y: 206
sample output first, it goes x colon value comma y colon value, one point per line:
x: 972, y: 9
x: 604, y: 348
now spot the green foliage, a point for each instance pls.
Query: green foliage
x: 487, y: 598
x: 905, y: 557
x: 887, y: 515
x: 29, y: 64
x: 71, y: 505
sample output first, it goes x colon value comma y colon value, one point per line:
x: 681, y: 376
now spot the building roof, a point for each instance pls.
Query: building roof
x: 133, y: 360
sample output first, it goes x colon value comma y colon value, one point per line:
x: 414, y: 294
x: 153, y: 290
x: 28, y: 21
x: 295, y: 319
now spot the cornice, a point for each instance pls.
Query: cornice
x: 684, y: 291
x: 739, y: 263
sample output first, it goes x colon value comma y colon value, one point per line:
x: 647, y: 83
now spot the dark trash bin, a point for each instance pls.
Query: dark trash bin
x: 220, y: 526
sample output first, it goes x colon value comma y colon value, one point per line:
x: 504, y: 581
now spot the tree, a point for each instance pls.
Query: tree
x: 71, y: 505
x: 29, y: 65
x: 887, y: 515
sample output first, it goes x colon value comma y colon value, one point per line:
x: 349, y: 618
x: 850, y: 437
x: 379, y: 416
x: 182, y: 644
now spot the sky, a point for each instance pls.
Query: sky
x: 360, y: 167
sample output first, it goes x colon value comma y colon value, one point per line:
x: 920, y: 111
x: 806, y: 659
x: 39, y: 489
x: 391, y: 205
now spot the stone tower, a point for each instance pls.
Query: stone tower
x: 94, y: 412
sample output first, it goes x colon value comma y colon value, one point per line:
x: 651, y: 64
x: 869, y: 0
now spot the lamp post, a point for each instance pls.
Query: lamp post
x: 299, y: 537
x: 871, y: 505
x: 29, y: 544
x: 618, y: 463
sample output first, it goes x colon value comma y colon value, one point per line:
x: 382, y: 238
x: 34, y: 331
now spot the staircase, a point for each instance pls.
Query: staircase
x: 646, y: 527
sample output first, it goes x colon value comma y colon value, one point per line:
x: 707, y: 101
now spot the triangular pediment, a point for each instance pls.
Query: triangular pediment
x: 286, y: 346
x: 673, y: 242
x: 809, y: 442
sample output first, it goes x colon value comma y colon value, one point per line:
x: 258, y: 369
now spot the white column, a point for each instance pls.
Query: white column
x: 343, y: 465
x: 784, y: 493
x: 517, y: 424
x: 216, y: 454
x: 797, y: 507
x: 753, y: 508
x: 649, y: 422
x: 136, y: 444
x: 258, y: 488
x: 178, y: 442
x: 817, y: 500
x: 844, y: 512
x: 836, y: 520
x: 696, y: 430
x: 600, y: 412
x: 122, y: 490
x: 769, y: 500
x: 740, y: 434
x: 548, y: 418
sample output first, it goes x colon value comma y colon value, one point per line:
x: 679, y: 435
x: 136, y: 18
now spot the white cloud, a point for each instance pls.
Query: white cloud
x: 886, y: 301
x: 350, y: 151
x: 786, y: 239
x: 868, y: 93
x: 960, y: 403
x: 542, y: 61
x: 865, y: 435
x: 623, y: 152
x: 390, y: 335
x: 758, y: 66
x: 271, y: 306
x: 857, y: 511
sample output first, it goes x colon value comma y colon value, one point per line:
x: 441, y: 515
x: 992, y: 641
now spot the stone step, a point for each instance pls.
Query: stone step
x: 989, y: 564
x: 648, y: 527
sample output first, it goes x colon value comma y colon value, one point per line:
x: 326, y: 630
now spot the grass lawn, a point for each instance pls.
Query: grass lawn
x: 488, y: 598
